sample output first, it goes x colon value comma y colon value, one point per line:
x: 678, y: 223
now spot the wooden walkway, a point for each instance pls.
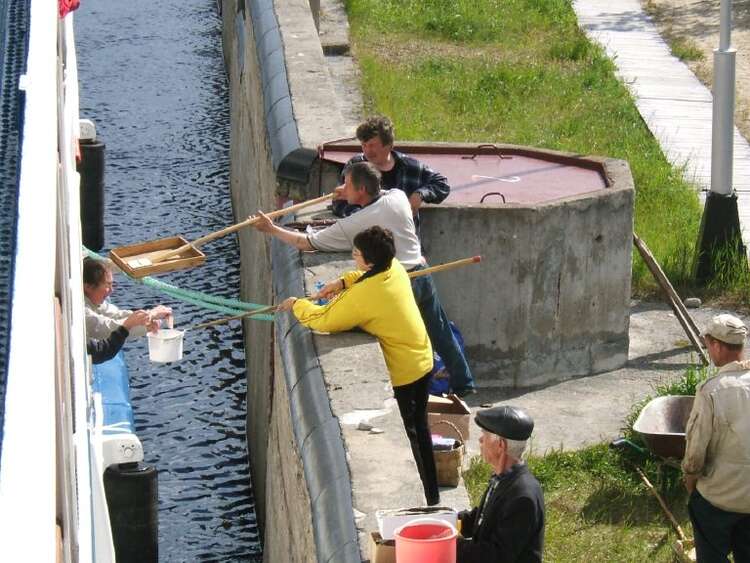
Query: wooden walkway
x: 672, y: 101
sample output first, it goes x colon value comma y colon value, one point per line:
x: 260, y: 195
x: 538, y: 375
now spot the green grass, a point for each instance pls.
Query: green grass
x: 521, y: 72
x: 597, y: 509
x: 685, y: 49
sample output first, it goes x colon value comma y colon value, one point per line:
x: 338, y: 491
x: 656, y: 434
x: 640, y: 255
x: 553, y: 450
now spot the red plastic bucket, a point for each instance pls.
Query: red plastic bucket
x: 426, y: 540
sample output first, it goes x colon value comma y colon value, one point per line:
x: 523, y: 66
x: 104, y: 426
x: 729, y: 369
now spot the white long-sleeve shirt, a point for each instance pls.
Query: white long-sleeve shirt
x: 102, y: 320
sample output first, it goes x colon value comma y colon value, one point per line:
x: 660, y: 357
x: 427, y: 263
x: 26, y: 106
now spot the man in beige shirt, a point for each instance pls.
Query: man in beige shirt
x: 717, y: 455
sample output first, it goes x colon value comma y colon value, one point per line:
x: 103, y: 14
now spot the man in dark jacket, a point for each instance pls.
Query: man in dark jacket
x: 421, y: 183
x: 508, y: 524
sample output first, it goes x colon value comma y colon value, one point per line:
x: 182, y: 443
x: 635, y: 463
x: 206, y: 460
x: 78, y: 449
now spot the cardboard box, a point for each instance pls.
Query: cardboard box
x: 390, y: 520
x: 452, y: 409
x: 382, y: 551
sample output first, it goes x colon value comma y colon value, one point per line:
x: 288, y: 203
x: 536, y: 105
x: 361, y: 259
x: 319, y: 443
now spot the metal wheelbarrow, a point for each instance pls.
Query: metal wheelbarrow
x: 662, y: 424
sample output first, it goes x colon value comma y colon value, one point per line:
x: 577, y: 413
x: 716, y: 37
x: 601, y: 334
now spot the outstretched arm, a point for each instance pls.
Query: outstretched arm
x: 292, y: 238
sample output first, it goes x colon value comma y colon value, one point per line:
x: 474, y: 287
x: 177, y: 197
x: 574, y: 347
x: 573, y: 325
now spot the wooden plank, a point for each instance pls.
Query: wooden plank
x: 672, y: 299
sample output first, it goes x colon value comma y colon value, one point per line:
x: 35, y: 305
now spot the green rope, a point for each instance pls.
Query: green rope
x: 224, y: 305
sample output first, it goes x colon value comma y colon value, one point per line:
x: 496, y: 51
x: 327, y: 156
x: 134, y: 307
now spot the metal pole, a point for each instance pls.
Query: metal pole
x: 722, y: 134
x: 720, y: 226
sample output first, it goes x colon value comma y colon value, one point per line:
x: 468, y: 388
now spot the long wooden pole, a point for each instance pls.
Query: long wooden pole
x: 446, y: 266
x: 414, y: 274
x: 672, y: 298
x: 155, y: 259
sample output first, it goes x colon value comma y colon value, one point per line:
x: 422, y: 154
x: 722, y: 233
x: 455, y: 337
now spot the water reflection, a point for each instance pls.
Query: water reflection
x: 152, y: 79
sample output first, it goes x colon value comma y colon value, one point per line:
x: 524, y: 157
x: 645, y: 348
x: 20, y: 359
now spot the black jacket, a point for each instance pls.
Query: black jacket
x: 512, y: 526
x: 107, y: 348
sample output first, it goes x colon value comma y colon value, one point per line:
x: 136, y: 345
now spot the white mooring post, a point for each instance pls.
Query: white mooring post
x: 722, y: 132
x: 720, y: 225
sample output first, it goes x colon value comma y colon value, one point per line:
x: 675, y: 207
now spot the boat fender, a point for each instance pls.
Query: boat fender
x: 132, y: 498
x: 91, y: 169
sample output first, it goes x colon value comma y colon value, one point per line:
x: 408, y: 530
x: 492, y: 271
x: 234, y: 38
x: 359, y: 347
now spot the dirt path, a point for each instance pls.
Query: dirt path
x: 697, y: 23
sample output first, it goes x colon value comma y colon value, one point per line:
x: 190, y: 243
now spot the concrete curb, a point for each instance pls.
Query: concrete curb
x: 316, y: 431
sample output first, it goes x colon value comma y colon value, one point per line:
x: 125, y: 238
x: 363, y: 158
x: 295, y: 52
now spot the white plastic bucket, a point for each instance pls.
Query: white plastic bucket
x: 165, y: 345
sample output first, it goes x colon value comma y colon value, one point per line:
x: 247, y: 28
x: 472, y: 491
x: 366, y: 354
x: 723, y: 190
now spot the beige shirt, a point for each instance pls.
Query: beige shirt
x: 718, y: 438
x: 102, y: 320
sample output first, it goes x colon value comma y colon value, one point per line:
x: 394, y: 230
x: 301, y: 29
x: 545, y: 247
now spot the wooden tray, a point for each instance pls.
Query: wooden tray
x: 125, y: 257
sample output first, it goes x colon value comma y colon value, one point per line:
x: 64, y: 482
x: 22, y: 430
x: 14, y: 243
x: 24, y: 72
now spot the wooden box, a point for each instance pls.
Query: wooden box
x: 126, y: 257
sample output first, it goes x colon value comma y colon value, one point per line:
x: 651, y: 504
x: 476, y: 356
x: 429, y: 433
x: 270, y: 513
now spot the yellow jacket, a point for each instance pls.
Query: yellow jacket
x: 383, y: 306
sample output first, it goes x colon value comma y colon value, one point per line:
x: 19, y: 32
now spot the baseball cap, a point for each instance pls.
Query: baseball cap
x: 726, y: 328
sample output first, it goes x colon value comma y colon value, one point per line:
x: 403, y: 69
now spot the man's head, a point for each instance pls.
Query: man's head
x: 375, y: 134
x: 97, y: 280
x: 361, y: 183
x: 725, y: 338
x: 505, y: 434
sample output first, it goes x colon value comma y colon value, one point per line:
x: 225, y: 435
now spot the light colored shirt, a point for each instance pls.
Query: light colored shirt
x: 390, y: 211
x: 718, y: 438
x: 383, y: 306
x: 102, y: 320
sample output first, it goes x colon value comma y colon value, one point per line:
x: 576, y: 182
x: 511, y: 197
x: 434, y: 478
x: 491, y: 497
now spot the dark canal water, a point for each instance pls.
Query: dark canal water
x: 152, y: 78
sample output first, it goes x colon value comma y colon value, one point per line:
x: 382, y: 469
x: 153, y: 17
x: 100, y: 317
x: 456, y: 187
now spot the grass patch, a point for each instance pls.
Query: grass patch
x: 522, y: 72
x: 684, y: 49
x: 597, y: 509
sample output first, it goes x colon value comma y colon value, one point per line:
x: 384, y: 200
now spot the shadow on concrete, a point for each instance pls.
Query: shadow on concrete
x: 701, y: 19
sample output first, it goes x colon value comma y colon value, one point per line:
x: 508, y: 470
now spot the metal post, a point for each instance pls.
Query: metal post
x: 720, y: 226
x: 722, y: 134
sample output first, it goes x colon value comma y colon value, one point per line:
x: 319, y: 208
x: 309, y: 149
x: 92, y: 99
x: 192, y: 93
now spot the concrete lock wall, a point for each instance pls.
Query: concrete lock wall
x: 280, y: 101
x: 551, y: 298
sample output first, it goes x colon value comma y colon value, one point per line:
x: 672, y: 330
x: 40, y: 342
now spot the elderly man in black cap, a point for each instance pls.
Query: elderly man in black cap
x: 508, y: 524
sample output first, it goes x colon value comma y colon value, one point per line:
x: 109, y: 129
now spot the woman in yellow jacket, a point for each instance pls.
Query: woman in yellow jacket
x: 377, y: 297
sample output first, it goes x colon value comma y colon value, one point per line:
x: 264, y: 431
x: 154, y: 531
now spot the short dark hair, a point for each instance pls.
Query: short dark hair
x: 364, y: 174
x: 94, y: 271
x: 377, y: 247
x: 376, y: 125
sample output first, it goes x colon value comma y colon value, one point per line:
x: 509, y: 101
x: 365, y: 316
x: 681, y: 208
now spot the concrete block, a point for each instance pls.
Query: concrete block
x: 551, y: 297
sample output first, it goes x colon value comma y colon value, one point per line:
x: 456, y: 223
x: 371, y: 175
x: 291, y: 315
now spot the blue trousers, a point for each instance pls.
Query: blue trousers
x: 440, y: 333
x: 717, y: 532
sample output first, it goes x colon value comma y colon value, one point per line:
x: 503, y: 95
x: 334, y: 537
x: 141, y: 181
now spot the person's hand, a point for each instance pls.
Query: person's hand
x: 287, y: 304
x: 153, y: 326
x: 160, y: 312
x: 137, y: 318
x: 415, y: 200
x: 263, y: 223
x: 329, y: 290
x: 338, y: 192
x: 690, y: 482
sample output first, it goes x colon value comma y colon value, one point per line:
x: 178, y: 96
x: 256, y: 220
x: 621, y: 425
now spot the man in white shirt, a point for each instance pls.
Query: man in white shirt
x: 391, y: 210
x: 102, y: 317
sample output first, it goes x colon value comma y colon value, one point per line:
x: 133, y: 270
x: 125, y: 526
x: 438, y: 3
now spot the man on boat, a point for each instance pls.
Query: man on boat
x: 104, y: 349
x: 717, y: 455
x: 418, y: 181
x: 102, y: 317
x: 508, y: 524
x: 389, y: 209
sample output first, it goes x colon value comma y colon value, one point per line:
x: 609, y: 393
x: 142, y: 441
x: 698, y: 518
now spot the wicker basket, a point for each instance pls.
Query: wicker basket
x: 448, y: 463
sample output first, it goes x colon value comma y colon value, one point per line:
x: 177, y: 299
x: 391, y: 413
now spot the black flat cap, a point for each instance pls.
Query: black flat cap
x: 509, y: 422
